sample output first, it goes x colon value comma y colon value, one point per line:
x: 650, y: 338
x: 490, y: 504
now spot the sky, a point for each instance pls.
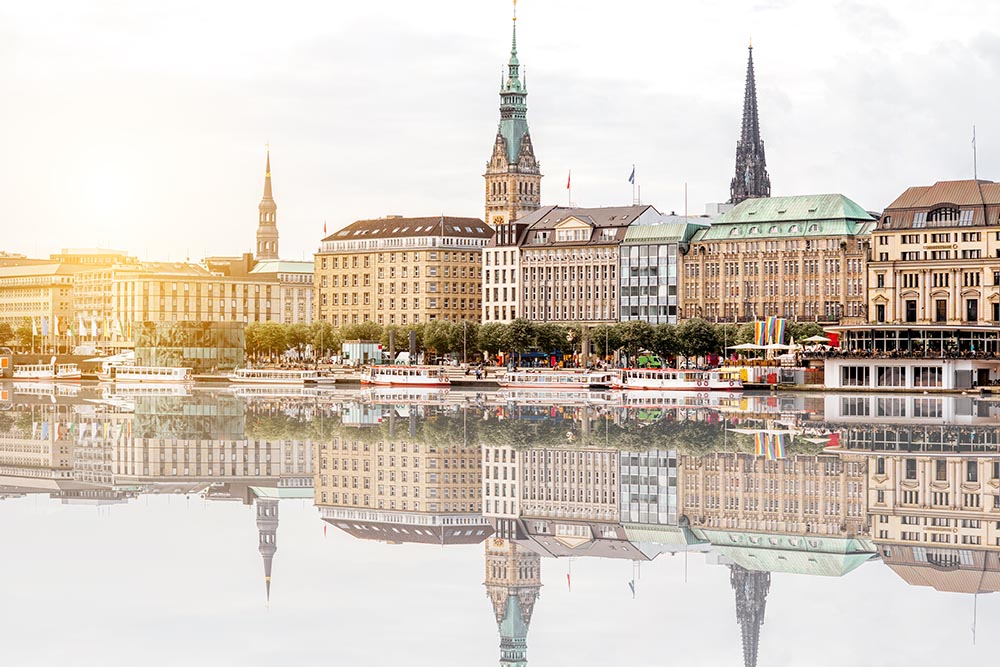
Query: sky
x: 142, y: 126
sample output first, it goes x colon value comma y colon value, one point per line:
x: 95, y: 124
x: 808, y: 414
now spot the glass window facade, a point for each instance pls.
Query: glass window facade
x: 202, y: 346
x: 649, y: 283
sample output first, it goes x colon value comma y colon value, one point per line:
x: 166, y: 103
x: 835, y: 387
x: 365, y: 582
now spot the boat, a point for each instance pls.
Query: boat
x: 49, y: 371
x: 150, y: 374
x: 412, y: 376
x: 570, y: 380
x: 563, y: 396
x: 405, y: 395
x: 279, y: 376
x: 675, y: 379
x: 654, y: 398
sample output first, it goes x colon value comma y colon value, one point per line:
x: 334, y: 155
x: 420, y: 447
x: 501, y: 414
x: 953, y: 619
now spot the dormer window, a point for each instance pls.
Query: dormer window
x: 774, y: 228
x: 755, y: 230
x: 794, y: 229
x: 735, y: 231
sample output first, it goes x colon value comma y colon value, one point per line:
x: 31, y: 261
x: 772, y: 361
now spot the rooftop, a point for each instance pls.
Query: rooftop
x: 548, y: 217
x: 799, y: 216
x: 283, y: 266
x: 408, y: 227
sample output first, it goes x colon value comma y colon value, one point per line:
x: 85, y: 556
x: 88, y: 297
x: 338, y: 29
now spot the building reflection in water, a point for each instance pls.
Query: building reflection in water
x: 800, y: 485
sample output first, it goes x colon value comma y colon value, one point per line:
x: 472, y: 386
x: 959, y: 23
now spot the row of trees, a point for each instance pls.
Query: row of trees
x: 691, y: 338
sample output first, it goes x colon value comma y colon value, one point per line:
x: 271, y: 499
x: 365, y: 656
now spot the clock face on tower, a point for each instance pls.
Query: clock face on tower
x: 497, y: 220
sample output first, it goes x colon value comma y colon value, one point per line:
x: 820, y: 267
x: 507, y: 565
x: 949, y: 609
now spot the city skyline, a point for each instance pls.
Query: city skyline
x: 163, y: 170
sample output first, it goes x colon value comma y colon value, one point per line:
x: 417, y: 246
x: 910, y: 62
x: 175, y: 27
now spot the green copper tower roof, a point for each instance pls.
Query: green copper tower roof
x: 513, y: 105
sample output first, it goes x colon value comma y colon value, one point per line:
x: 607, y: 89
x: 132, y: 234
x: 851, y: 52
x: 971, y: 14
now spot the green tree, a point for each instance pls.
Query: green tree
x: 363, y: 331
x: 520, y: 335
x: 23, y: 333
x: 696, y: 337
x: 273, y: 338
x: 606, y: 339
x: 726, y: 335
x: 663, y: 340
x: 550, y: 337
x: 464, y: 335
x: 325, y: 339
x: 297, y: 337
x: 635, y: 335
x: 439, y: 335
x: 491, y: 337
x: 6, y: 333
x: 800, y: 330
x: 251, y: 340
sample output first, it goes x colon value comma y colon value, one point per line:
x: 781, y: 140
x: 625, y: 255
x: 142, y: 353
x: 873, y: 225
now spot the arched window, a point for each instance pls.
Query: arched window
x: 943, y: 214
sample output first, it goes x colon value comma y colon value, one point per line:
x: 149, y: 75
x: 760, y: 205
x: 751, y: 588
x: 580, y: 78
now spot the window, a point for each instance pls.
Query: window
x: 890, y: 376
x: 854, y: 376
x: 940, y: 470
x: 910, y: 466
x: 927, y: 376
x: 971, y: 471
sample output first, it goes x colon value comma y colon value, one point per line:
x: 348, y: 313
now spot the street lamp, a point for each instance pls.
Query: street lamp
x: 464, y: 351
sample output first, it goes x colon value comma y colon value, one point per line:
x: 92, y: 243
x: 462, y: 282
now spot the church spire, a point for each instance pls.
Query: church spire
x: 751, y: 598
x: 513, y: 178
x: 267, y: 224
x: 751, y: 179
x: 513, y: 580
x: 267, y: 539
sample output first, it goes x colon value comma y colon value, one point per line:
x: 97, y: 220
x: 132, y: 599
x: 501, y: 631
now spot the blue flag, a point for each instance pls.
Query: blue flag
x: 631, y: 178
x: 45, y: 326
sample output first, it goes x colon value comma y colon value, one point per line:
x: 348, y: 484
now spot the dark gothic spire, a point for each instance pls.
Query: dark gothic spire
x: 751, y: 179
x: 751, y: 597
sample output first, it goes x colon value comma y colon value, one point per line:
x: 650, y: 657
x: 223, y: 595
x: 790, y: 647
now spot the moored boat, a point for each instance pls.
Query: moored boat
x: 279, y: 376
x: 674, y: 379
x: 49, y: 371
x: 534, y: 379
x: 413, y: 376
x: 151, y: 374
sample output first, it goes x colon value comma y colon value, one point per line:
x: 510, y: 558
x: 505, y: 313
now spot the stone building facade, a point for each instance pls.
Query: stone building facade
x: 400, y: 271
x: 802, y: 258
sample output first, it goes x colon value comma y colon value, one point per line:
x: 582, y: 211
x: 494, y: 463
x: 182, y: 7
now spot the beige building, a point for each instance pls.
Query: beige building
x: 565, y: 484
x: 401, y: 271
x: 818, y: 495
x: 935, y: 256
x: 398, y: 475
x: 569, y: 265
x: 802, y: 258
x: 36, y: 289
x: 934, y: 500
x: 125, y: 294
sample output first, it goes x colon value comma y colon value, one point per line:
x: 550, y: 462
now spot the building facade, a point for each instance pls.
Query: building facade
x: 935, y: 256
x: 513, y: 177
x: 570, y: 262
x: 802, y: 258
x: 401, y: 271
x: 650, y: 256
x: 294, y: 281
x: 501, y: 270
x: 798, y: 495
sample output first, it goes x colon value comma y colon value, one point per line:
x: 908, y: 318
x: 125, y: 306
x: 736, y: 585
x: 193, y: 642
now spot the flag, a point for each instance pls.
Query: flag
x: 568, y: 177
x: 93, y: 328
x: 569, y: 586
x: 631, y: 178
x: 324, y: 228
x: 82, y: 328
x: 631, y: 587
x: 760, y: 333
x: 56, y: 330
x: 45, y: 326
x: 34, y: 327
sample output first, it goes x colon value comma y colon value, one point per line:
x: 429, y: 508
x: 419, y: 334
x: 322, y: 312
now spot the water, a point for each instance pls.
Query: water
x: 141, y: 525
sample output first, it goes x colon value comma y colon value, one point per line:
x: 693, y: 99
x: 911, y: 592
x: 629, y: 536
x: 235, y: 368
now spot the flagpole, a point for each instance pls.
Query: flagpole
x: 975, y: 168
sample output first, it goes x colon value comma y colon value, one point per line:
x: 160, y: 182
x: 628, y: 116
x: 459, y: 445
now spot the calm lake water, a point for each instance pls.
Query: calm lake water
x: 369, y: 527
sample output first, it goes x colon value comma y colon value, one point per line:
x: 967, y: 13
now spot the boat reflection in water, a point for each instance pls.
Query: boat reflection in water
x: 763, y: 487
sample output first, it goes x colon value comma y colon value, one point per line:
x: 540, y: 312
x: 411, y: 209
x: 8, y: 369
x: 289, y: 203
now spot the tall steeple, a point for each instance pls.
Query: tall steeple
x: 513, y: 580
x: 267, y: 540
x: 751, y: 597
x: 751, y: 179
x: 513, y: 178
x: 267, y: 225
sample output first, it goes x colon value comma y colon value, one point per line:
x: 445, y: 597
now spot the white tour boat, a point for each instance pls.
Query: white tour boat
x: 673, y: 379
x: 279, y: 376
x: 412, y: 376
x: 49, y: 371
x: 150, y: 374
x: 533, y: 379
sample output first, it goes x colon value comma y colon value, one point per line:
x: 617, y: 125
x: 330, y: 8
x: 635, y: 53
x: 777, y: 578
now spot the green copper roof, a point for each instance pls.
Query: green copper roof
x: 812, y: 555
x: 677, y: 230
x: 282, y: 266
x: 800, y: 216
x: 513, y: 105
